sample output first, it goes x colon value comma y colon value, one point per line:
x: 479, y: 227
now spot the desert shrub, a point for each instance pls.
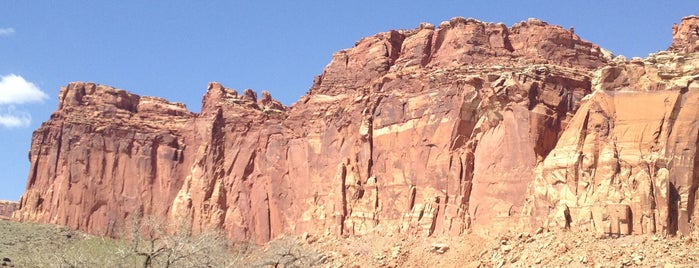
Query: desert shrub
x: 287, y: 251
x: 157, y: 243
x: 94, y: 252
x: 38, y: 245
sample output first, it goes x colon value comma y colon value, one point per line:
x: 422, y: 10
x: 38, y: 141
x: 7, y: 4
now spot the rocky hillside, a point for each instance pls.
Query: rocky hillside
x: 464, y: 127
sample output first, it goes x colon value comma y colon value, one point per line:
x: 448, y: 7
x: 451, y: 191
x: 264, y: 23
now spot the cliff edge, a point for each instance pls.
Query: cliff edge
x: 463, y: 127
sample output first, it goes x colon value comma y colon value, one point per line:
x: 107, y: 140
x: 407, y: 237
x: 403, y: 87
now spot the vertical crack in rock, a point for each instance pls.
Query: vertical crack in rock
x: 678, y: 102
x: 579, y: 168
x: 59, y: 144
x: 367, y: 131
x: 342, y: 178
x: 34, y: 158
x: 393, y: 47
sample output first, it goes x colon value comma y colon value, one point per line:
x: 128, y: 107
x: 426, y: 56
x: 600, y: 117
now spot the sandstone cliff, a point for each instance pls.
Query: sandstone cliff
x: 7, y: 208
x: 468, y: 126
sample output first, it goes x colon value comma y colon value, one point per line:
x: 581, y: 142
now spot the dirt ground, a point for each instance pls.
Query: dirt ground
x: 30, y: 245
x: 545, y: 249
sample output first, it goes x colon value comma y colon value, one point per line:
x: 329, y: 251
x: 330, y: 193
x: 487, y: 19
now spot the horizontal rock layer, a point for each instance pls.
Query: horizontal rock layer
x: 468, y: 126
x: 7, y: 208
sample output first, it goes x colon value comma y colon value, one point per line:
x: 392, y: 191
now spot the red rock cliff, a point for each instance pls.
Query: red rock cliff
x: 468, y: 126
x: 7, y: 208
x: 685, y: 37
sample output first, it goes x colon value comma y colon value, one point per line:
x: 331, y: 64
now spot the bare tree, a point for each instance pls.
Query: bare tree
x: 286, y: 251
x: 145, y: 241
x: 166, y: 245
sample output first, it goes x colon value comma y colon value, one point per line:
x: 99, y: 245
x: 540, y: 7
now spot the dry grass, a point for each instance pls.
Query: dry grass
x: 37, y: 245
x: 42, y: 245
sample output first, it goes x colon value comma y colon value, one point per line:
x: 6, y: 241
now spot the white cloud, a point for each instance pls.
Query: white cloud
x: 14, y: 89
x: 10, y: 118
x: 7, y: 31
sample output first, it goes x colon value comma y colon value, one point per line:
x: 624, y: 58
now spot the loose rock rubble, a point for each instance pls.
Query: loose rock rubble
x: 546, y: 249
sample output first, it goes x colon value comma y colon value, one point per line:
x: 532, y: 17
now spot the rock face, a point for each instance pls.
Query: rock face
x: 7, y: 208
x: 685, y: 37
x: 628, y: 161
x: 104, y: 154
x: 464, y: 127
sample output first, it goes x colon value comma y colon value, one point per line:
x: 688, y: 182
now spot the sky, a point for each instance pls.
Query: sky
x: 172, y: 49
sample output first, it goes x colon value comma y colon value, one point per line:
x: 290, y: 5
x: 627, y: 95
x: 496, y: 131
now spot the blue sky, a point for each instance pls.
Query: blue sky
x: 172, y: 49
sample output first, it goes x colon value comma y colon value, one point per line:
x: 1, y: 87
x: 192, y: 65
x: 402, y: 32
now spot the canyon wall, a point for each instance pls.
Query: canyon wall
x: 464, y: 127
x: 7, y: 208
